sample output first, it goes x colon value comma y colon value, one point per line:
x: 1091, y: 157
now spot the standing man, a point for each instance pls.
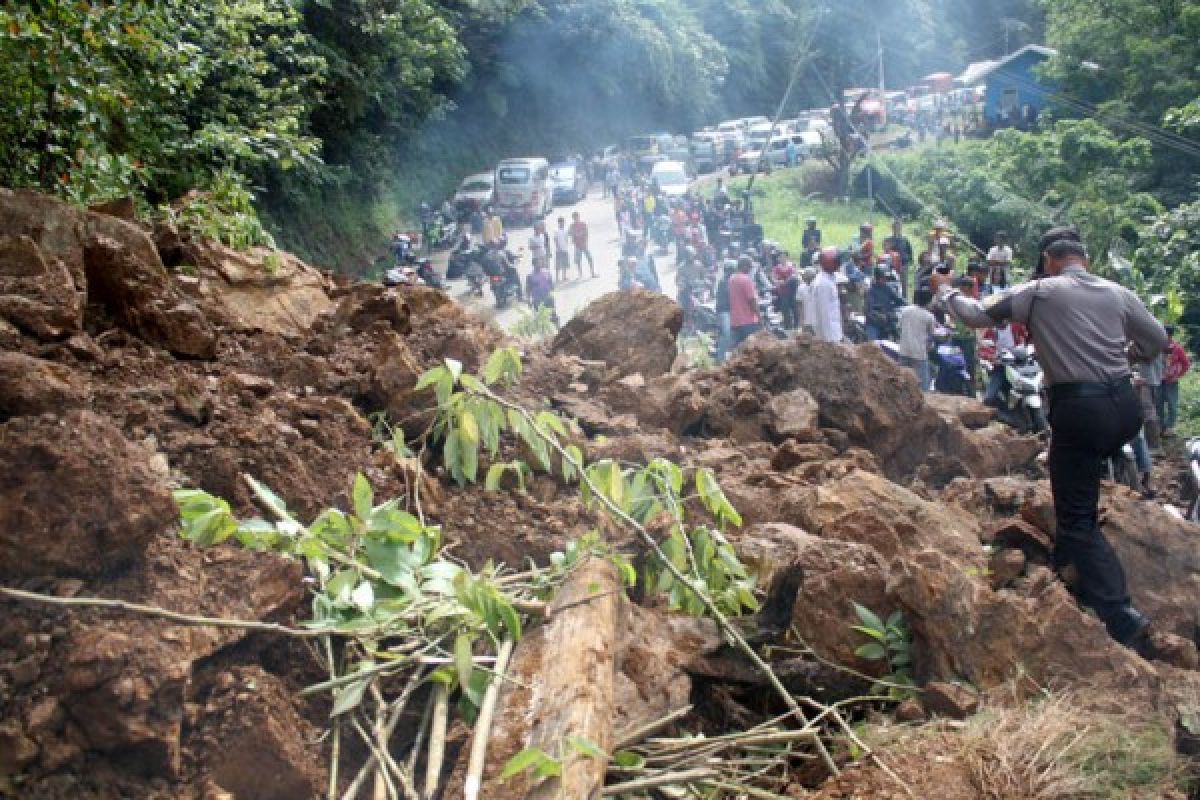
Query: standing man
x: 725, y: 334
x: 899, y: 244
x: 743, y: 303
x: 539, y: 245
x: 827, y: 308
x: 579, y: 235
x: 1178, y: 365
x: 999, y: 261
x: 562, y: 250
x: 493, y: 229
x: 811, y: 240
x: 1085, y: 329
x: 917, y: 326
x: 881, y: 306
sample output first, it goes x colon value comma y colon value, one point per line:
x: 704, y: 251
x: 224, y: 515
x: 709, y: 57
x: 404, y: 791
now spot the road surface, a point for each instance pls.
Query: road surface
x: 574, y: 293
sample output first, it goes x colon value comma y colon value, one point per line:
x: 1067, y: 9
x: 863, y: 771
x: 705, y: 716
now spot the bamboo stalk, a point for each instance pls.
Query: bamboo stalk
x: 483, y: 726
x: 656, y: 781
x: 635, y: 736
x: 437, y: 739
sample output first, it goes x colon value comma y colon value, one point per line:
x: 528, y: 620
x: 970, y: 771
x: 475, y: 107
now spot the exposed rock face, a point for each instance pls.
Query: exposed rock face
x: 76, y: 498
x: 125, y: 274
x: 42, y: 283
x: 258, y: 290
x: 629, y: 331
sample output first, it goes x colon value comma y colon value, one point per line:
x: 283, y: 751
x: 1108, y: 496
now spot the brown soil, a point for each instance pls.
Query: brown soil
x: 121, y: 379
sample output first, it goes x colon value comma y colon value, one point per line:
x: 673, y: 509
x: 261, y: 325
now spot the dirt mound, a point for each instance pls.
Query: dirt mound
x: 766, y: 392
x: 135, y: 363
x: 631, y: 332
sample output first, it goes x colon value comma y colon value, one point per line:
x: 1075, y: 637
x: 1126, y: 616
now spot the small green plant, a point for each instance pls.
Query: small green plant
x: 698, y: 350
x: 535, y: 324
x: 379, y: 575
x: 546, y: 766
x: 225, y: 213
x: 890, y: 643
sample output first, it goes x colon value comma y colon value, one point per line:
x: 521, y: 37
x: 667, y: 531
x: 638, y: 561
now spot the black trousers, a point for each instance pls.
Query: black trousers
x: 1085, y: 432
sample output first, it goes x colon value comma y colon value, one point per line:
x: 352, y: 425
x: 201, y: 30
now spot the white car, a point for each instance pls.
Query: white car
x: 671, y: 177
x: 476, y: 190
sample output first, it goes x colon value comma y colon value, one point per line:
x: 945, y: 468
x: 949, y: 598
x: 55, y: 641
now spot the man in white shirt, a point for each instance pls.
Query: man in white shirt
x: 999, y: 261
x: 562, y: 250
x: 805, y: 306
x: 827, y: 307
x: 916, y: 327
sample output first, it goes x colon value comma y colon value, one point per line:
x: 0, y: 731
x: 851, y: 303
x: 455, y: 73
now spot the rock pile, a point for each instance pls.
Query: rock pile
x: 134, y: 362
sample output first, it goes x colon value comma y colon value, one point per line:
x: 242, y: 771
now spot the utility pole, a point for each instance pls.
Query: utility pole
x: 883, y: 108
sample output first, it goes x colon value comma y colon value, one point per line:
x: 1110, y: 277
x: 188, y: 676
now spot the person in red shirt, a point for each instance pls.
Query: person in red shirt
x: 1178, y: 365
x: 579, y: 235
x: 743, y: 303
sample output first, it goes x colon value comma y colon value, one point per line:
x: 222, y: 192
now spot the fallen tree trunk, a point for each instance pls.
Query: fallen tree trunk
x: 562, y: 685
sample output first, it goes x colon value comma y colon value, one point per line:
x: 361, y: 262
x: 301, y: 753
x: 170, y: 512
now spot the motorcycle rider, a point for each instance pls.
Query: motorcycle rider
x: 881, y: 305
x: 1085, y: 330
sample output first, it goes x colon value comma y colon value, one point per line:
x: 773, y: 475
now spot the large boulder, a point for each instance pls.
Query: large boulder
x: 964, y: 630
x: 259, y: 289
x: 76, y: 498
x: 833, y: 577
x: 42, y: 283
x: 126, y: 682
x: 1161, y: 555
x: 867, y: 508
x: 126, y: 275
x: 31, y: 385
x: 629, y: 331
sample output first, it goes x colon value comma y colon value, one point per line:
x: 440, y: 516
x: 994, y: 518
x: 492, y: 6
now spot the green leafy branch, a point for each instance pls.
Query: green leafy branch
x: 888, y: 642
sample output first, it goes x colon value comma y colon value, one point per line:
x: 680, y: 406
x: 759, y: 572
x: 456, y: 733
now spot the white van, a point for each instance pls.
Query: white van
x: 671, y: 177
x: 523, y: 191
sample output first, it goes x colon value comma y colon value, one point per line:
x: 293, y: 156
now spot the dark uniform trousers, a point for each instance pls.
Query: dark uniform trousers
x: 1087, y: 428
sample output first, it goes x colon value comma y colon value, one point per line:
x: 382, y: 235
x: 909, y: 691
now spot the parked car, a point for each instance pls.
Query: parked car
x: 523, y: 189
x: 568, y: 182
x: 476, y: 191
x: 707, y: 152
x: 648, y: 149
x: 671, y: 177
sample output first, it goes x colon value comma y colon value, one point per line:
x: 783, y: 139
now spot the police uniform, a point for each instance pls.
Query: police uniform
x: 1085, y: 330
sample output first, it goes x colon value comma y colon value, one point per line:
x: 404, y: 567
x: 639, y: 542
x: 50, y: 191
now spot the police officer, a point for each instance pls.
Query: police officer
x: 1086, y: 330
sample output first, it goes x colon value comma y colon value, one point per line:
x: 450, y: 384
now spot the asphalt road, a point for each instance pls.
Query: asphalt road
x: 574, y: 293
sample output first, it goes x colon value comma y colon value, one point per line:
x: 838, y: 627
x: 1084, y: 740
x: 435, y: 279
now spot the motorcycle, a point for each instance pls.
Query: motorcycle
x: 1122, y: 469
x: 854, y: 328
x: 1019, y: 402
x: 443, y: 232
x: 952, y: 376
x: 428, y: 274
x: 503, y: 277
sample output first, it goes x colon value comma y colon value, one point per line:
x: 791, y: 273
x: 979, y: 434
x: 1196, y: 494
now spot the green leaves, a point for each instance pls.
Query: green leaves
x: 532, y: 758
x: 890, y: 643
x: 503, y: 366
x: 713, y: 498
x: 206, y: 520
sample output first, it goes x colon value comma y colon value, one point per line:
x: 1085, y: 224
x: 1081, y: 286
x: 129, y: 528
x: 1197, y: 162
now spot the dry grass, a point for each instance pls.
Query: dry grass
x: 1055, y: 751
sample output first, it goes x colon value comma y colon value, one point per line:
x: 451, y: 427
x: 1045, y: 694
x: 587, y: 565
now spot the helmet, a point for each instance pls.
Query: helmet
x: 1007, y: 358
x: 1021, y: 354
x: 882, y: 273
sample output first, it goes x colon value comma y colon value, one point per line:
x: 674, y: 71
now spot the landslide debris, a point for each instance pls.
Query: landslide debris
x: 139, y: 361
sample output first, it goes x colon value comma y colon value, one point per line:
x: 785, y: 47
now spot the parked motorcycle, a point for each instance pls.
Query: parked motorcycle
x: 1019, y: 402
x: 952, y: 376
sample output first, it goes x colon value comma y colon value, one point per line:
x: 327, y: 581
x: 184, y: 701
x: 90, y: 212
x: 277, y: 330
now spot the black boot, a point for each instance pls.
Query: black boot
x: 1128, y: 626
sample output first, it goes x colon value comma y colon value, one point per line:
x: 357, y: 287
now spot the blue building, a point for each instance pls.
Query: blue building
x: 1015, y: 93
